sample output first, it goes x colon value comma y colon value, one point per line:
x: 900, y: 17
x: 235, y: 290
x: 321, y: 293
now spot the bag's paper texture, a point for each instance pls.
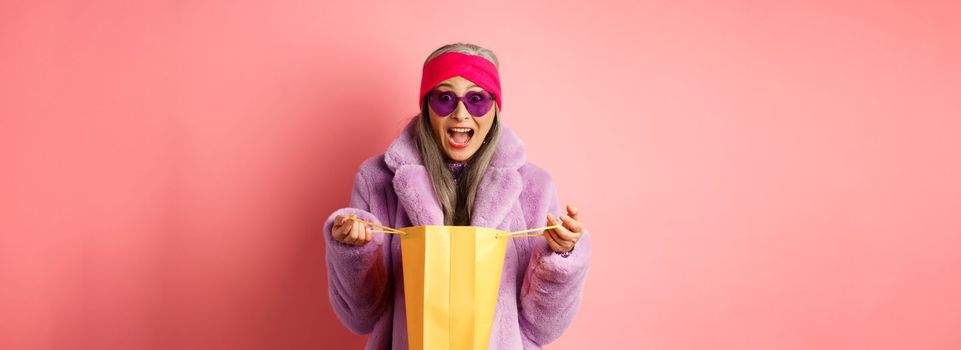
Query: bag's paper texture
x: 452, y: 277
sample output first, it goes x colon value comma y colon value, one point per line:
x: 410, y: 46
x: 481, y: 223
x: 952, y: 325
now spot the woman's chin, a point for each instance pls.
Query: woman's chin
x: 460, y: 155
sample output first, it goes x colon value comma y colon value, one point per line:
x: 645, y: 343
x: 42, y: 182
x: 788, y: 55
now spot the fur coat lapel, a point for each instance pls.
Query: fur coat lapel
x: 497, y: 193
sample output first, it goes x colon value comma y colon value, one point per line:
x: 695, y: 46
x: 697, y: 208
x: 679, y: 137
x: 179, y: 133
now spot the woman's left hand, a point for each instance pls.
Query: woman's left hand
x: 562, y: 239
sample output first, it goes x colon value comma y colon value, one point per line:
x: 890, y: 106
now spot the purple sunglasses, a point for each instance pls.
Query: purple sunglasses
x: 478, y: 103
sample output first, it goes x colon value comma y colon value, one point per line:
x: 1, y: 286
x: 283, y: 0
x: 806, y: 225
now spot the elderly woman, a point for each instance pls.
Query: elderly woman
x: 457, y: 163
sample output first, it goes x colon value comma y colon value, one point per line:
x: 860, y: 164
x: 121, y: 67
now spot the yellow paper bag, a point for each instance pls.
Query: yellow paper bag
x: 452, y: 278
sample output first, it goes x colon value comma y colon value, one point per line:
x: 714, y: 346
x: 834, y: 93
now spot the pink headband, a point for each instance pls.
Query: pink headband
x: 475, y: 68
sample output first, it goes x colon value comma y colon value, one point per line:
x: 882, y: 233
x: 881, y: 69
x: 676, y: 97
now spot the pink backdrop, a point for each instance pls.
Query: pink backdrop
x: 756, y: 175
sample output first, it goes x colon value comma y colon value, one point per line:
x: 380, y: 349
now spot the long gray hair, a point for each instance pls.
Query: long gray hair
x: 457, y: 203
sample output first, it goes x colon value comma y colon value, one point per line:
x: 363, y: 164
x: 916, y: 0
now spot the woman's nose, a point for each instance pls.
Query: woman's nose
x: 461, y: 111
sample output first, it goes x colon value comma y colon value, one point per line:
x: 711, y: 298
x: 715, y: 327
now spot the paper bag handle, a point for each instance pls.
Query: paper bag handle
x: 385, y: 228
x: 515, y: 234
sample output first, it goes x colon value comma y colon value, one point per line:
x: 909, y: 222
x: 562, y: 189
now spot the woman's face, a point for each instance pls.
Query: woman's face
x: 461, y: 134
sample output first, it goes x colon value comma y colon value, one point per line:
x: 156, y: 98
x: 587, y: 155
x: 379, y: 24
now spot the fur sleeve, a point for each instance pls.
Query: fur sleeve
x: 357, y: 275
x: 552, y: 286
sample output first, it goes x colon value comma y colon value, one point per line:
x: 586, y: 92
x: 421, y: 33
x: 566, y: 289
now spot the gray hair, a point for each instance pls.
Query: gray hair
x: 465, y: 48
x: 456, y: 202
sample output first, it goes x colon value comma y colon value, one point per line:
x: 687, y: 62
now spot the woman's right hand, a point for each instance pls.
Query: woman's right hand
x: 348, y: 231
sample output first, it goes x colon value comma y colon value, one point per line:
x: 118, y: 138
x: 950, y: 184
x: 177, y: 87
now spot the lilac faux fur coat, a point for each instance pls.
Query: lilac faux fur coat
x: 539, y: 292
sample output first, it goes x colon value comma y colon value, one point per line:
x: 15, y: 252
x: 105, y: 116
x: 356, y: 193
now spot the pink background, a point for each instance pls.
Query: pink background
x: 756, y: 175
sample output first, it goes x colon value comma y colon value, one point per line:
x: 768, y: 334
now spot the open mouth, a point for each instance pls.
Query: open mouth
x: 459, y: 137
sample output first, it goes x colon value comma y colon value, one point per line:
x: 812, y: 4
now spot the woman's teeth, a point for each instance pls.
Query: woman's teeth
x: 459, y: 137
